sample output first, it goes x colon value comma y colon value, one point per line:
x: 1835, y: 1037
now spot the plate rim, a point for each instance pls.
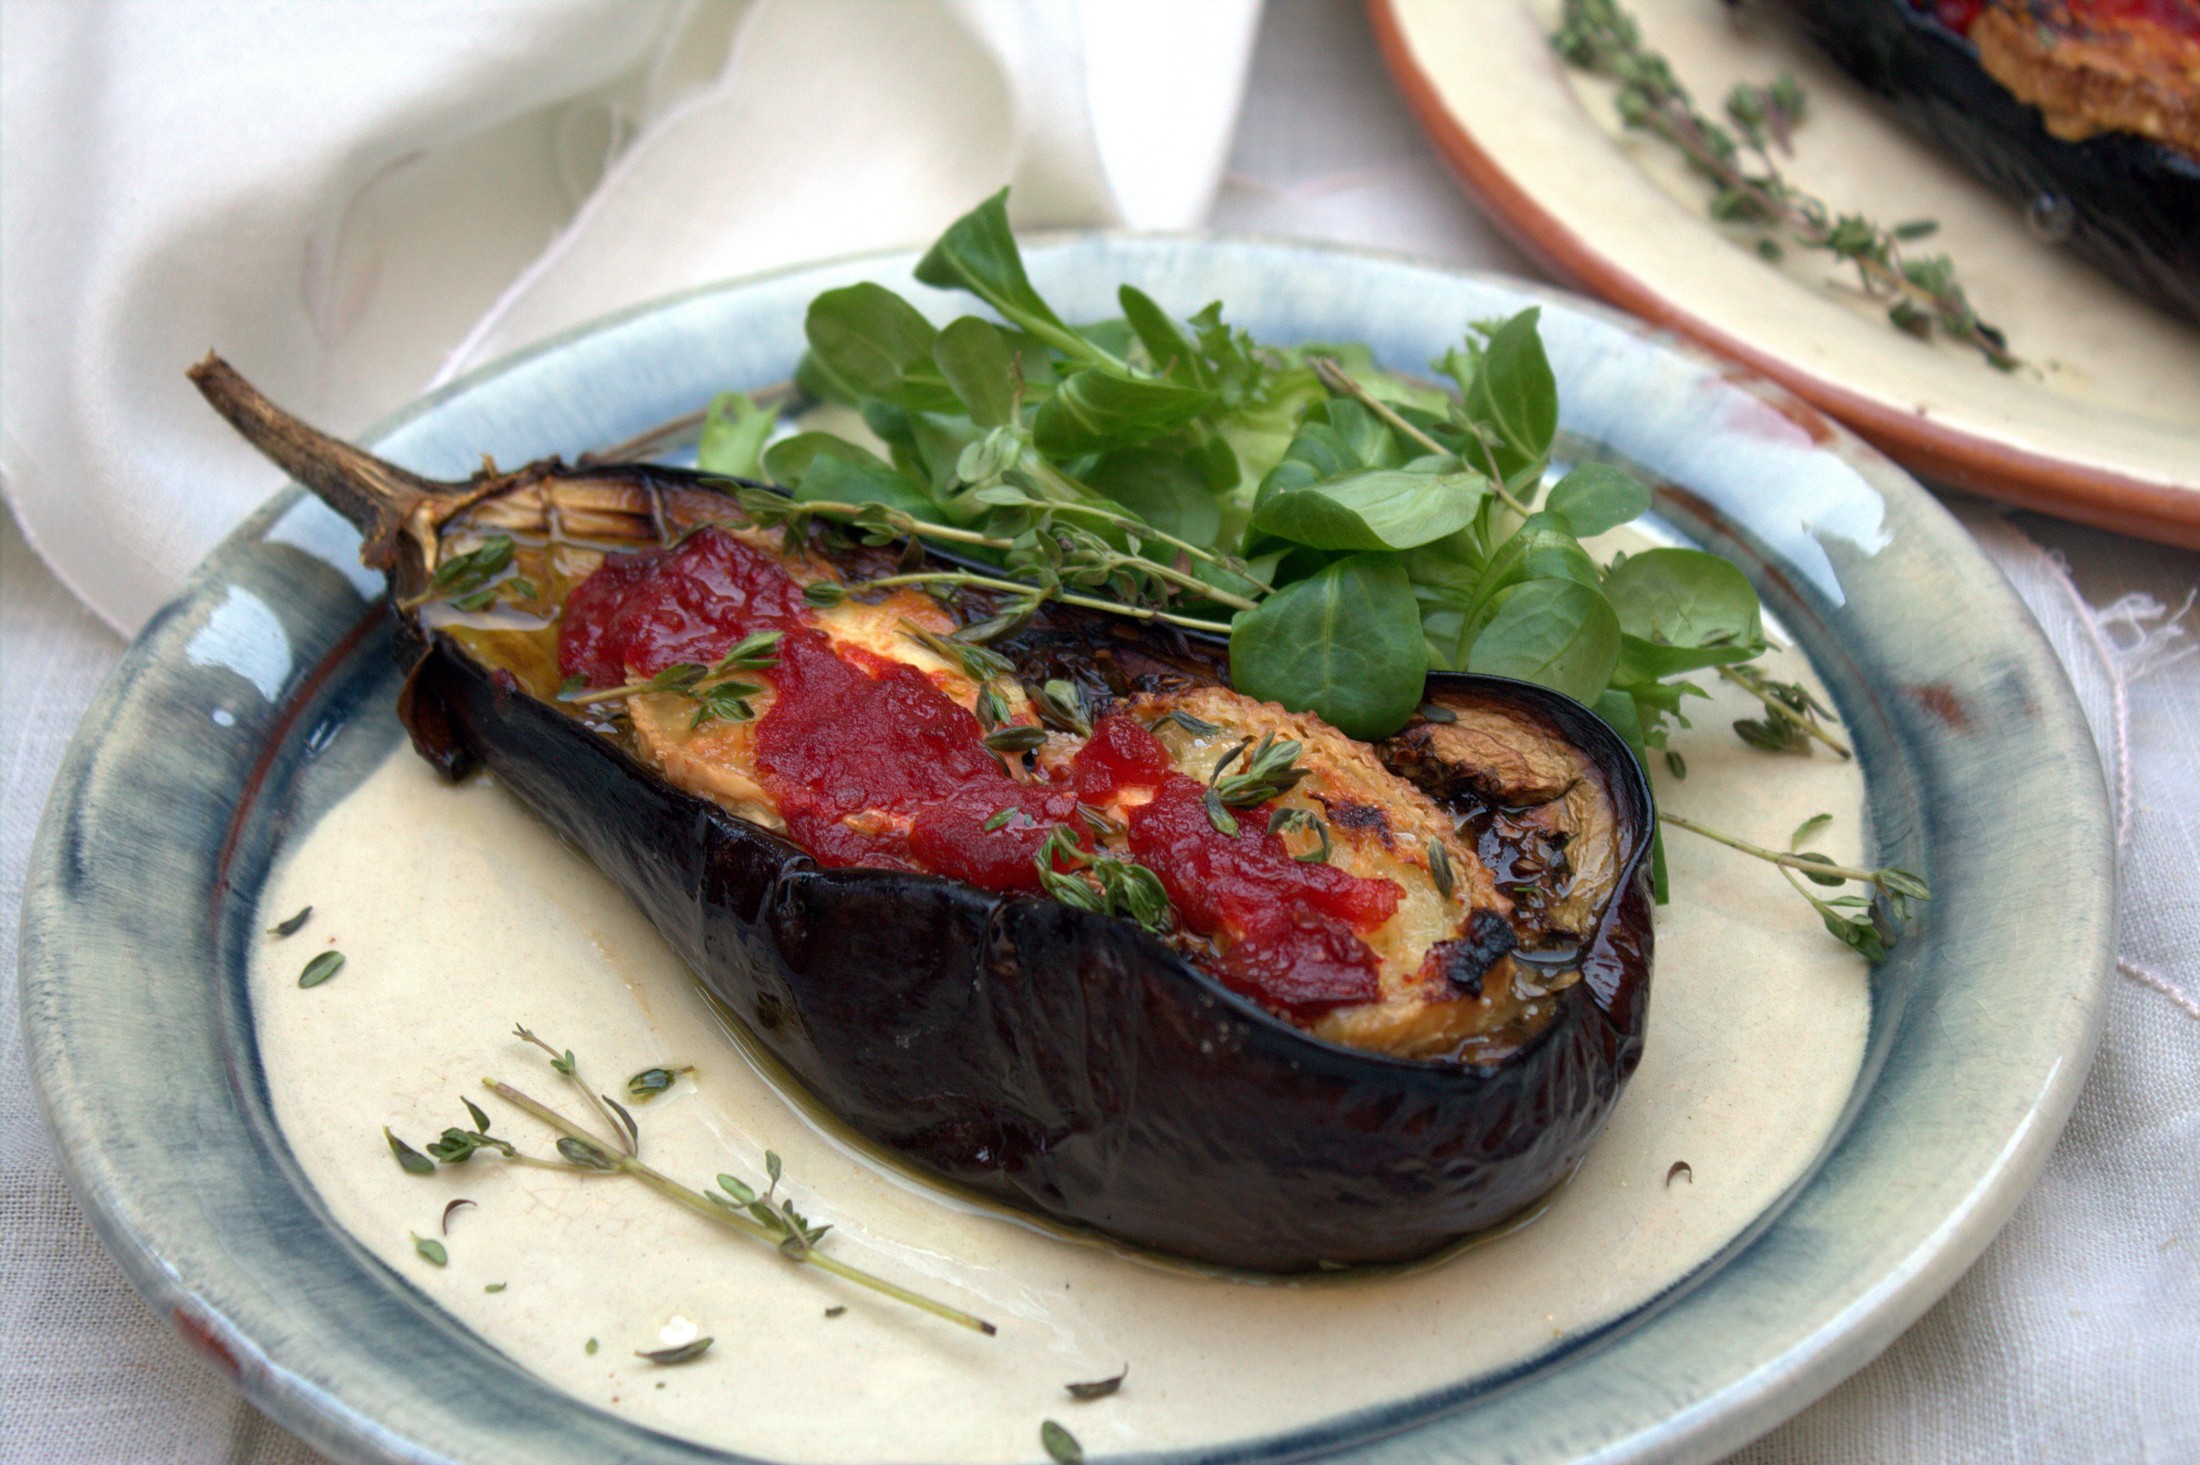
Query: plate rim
x: 1770, y: 1390
x: 2145, y: 507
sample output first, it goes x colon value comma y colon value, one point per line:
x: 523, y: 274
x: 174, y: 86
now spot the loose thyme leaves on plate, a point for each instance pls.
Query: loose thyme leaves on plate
x: 321, y: 968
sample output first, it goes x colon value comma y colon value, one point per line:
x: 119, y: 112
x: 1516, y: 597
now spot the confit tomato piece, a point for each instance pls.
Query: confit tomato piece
x: 1120, y: 754
x: 1293, y: 926
x: 1302, y: 960
x: 640, y: 613
x: 871, y: 764
x: 950, y: 837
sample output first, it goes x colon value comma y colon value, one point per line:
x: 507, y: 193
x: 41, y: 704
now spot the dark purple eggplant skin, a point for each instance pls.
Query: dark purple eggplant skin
x: 2132, y: 205
x: 1065, y: 1063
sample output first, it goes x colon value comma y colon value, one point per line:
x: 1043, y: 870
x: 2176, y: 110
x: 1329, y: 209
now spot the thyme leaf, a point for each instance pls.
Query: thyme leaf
x: 292, y: 926
x: 1098, y: 1388
x: 671, y: 1357
x: 321, y: 968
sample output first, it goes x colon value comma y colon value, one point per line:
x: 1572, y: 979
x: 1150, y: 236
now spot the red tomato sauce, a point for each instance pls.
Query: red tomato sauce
x: 1293, y: 927
x: 872, y: 764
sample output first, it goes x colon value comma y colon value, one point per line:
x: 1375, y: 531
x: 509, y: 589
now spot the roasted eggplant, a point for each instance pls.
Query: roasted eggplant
x: 2085, y: 112
x: 1062, y: 919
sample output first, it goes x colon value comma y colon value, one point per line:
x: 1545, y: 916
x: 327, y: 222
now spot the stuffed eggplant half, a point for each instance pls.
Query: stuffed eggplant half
x: 1059, y: 917
x: 2085, y: 113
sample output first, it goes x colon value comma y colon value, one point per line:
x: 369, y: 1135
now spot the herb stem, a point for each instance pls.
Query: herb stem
x: 1808, y: 726
x: 1039, y: 592
x: 1336, y: 378
x: 1785, y: 861
x: 566, y: 1064
x: 726, y: 1216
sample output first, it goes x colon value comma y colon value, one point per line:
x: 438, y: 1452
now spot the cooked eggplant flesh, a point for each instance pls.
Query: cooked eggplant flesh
x: 1350, y: 902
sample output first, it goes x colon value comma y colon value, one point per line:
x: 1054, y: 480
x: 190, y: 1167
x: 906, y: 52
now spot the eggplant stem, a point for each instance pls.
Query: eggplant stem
x: 726, y: 1216
x: 378, y: 497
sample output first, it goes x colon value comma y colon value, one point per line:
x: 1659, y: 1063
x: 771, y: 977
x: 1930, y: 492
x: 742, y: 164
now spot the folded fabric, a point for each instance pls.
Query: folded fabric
x: 353, y: 201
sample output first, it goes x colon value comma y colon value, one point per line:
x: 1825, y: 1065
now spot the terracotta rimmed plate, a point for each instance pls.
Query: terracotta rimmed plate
x: 2102, y: 424
x: 245, y: 707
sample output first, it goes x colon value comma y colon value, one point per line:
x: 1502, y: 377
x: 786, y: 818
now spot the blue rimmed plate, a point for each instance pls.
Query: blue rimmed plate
x: 184, y: 785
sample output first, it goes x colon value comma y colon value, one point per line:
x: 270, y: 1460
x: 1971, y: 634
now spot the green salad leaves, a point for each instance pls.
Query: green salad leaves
x: 1350, y: 529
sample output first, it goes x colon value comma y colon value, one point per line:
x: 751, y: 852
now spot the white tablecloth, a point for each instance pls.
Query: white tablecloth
x: 2077, y: 1336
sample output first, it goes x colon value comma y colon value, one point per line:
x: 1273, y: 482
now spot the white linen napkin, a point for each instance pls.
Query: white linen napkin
x: 351, y: 201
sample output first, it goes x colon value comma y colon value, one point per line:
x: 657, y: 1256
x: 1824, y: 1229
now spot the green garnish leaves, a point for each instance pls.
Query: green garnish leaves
x: 651, y: 1082
x: 321, y: 968
x: 1018, y: 738
x: 1098, y: 1388
x: 1060, y: 705
x: 292, y: 926
x: 465, y: 575
x: 430, y: 1248
x: 672, y: 1357
x: 1344, y: 644
x: 1439, y: 869
x: 1283, y: 821
x: 410, y: 1160
x: 1061, y: 1446
x: 1597, y: 497
x: 734, y: 429
x: 1269, y: 772
x: 1102, y: 884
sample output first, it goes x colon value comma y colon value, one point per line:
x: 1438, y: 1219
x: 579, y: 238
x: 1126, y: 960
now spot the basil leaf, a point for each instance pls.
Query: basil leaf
x: 1558, y: 633
x: 1596, y: 497
x: 734, y: 430
x: 1165, y: 489
x: 1103, y: 407
x: 1383, y: 508
x: 978, y: 253
x: 878, y: 345
x: 1344, y: 644
x: 1685, y: 597
x: 973, y: 358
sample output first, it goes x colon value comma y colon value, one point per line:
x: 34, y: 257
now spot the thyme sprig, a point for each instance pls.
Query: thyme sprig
x: 1052, y: 558
x: 718, y: 688
x: 1920, y: 294
x: 736, y: 1206
x: 1104, y: 886
x: 1792, y: 714
x: 1869, y: 924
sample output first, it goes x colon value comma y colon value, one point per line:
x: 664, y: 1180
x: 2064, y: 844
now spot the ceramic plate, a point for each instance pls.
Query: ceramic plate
x: 2102, y: 423
x: 222, y: 732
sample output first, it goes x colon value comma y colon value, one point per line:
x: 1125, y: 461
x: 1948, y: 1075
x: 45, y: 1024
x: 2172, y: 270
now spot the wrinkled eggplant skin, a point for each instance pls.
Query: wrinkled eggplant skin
x: 1067, y: 1063
x: 2134, y: 203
